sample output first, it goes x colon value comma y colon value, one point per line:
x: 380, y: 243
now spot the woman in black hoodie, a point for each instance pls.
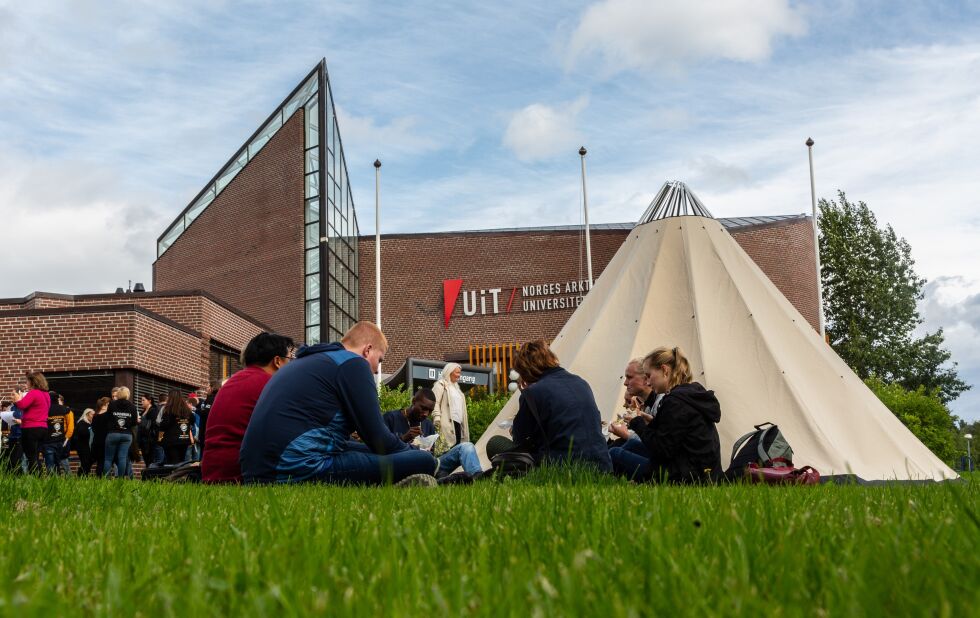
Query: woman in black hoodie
x: 122, y: 418
x: 100, y: 429
x: 177, y: 428
x: 681, y: 436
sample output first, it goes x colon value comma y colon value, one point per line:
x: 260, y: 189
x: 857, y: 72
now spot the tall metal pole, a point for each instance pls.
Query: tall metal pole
x: 377, y: 242
x: 585, y: 204
x: 377, y: 250
x: 816, y: 239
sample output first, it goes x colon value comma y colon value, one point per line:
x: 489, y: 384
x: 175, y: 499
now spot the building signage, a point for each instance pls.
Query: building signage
x: 549, y: 296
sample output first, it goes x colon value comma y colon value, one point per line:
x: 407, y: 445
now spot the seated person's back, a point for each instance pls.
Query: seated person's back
x: 234, y: 403
x: 303, y: 421
x: 570, y: 422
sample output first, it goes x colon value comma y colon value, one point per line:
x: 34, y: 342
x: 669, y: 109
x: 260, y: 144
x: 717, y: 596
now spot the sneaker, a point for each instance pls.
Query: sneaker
x: 418, y: 480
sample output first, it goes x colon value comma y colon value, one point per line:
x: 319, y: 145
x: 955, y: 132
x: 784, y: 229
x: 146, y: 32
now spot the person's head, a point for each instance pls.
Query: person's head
x: 162, y: 397
x: 87, y: 415
x: 36, y: 379
x: 533, y: 359
x: 366, y: 339
x: 102, y: 404
x: 215, y: 385
x: 268, y: 351
x: 451, y: 372
x: 666, y: 368
x: 55, y: 398
x: 61, y: 400
x: 177, y: 406
x: 635, y: 380
x: 114, y: 393
x: 146, y: 401
x: 423, y: 403
x: 121, y: 392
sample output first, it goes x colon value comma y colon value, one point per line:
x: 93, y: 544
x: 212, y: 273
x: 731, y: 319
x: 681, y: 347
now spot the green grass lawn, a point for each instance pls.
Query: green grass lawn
x: 553, y: 545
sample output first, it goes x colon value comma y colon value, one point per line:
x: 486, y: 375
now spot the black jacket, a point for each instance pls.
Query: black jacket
x: 571, y: 425
x: 682, y: 438
x: 122, y: 416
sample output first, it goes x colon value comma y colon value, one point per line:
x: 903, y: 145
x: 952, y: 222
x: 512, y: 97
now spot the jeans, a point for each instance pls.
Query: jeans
x: 463, y: 454
x: 159, y: 455
x: 117, y: 452
x: 52, y: 456
x: 359, y: 465
x: 632, y: 460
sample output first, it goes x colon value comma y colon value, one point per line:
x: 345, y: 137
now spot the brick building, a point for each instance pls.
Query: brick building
x: 150, y: 342
x: 273, y: 239
x: 528, y: 267
x: 275, y: 234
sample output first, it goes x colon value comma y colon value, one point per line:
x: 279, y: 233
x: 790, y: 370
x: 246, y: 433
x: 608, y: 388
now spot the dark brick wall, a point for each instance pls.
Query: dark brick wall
x: 172, y: 337
x: 246, y: 248
x: 415, y: 266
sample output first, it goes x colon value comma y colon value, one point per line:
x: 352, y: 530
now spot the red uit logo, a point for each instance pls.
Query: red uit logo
x: 451, y: 289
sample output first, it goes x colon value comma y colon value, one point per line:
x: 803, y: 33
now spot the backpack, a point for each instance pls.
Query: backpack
x: 512, y: 464
x: 766, y: 447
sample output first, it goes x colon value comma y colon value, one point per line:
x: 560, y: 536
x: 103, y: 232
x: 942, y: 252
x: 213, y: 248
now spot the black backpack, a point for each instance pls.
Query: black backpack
x: 765, y: 447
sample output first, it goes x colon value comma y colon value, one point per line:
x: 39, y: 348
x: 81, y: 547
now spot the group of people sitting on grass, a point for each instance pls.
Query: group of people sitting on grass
x: 313, y: 414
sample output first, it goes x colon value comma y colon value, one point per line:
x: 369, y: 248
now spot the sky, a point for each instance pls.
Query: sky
x: 113, y: 115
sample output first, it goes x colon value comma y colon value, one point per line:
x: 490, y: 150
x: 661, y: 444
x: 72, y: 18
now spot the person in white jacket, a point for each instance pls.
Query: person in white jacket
x: 449, y: 415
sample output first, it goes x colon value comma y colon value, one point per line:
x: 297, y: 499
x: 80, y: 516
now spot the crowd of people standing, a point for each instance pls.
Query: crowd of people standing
x: 108, y: 438
x: 313, y: 414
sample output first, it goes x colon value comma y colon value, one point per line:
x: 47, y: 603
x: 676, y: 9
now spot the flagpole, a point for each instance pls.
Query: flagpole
x: 585, y: 204
x: 816, y: 239
x: 377, y: 249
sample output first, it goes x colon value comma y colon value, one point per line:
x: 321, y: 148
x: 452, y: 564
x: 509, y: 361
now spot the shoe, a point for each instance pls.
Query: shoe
x: 418, y: 480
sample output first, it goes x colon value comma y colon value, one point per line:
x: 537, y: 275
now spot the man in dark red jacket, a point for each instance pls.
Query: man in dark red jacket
x: 233, y: 406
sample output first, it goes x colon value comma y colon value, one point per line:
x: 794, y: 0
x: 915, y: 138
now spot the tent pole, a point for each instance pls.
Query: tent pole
x: 585, y: 204
x: 816, y: 240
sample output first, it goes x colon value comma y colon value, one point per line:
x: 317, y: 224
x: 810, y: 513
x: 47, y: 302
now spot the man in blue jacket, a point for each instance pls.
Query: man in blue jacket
x: 302, y: 424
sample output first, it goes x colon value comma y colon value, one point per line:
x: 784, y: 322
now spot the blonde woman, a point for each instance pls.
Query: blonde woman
x: 82, y: 441
x: 682, y: 439
x: 449, y: 415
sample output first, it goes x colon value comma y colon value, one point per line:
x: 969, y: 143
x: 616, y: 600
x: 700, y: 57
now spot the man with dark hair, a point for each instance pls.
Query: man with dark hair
x: 302, y: 425
x: 413, y: 422
x: 233, y: 403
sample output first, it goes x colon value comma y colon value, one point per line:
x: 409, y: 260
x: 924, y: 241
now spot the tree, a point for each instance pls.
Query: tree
x: 923, y: 413
x: 871, y: 293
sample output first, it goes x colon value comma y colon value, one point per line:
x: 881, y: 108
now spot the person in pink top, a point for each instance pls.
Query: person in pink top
x: 35, y: 404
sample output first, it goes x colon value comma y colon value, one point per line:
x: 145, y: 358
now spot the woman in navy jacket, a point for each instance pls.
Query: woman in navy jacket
x: 558, y: 419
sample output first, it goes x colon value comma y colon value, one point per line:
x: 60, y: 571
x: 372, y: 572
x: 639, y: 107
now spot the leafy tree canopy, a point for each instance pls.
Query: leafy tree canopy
x: 871, y: 293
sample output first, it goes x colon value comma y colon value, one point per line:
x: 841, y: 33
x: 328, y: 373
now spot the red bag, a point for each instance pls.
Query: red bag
x: 786, y: 475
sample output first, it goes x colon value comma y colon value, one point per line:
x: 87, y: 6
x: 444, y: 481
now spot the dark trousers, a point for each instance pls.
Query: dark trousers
x: 459, y: 432
x: 31, y: 440
x: 52, y: 455
x: 84, y: 459
x: 358, y: 465
x: 11, y: 457
x: 175, y: 453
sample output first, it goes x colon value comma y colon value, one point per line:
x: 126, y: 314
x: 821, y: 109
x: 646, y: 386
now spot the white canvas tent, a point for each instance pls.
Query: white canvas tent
x: 681, y: 280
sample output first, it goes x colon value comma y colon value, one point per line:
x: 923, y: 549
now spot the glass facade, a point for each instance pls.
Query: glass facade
x: 330, y: 232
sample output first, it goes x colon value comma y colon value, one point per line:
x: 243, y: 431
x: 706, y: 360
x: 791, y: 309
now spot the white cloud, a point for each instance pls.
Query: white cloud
x: 75, y: 230
x: 400, y: 136
x: 541, y: 131
x: 668, y: 34
x: 953, y: 303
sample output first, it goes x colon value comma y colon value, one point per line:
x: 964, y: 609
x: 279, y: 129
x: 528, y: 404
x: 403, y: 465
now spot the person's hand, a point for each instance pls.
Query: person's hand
x: 16, y: 396
x: 646, y: 417
x: 619, y: 430
x: 636, y: 404
x: 356, y: 436
x: 411, y: 434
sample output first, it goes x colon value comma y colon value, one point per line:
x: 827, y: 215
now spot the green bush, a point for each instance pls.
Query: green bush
x: 923, y: 413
